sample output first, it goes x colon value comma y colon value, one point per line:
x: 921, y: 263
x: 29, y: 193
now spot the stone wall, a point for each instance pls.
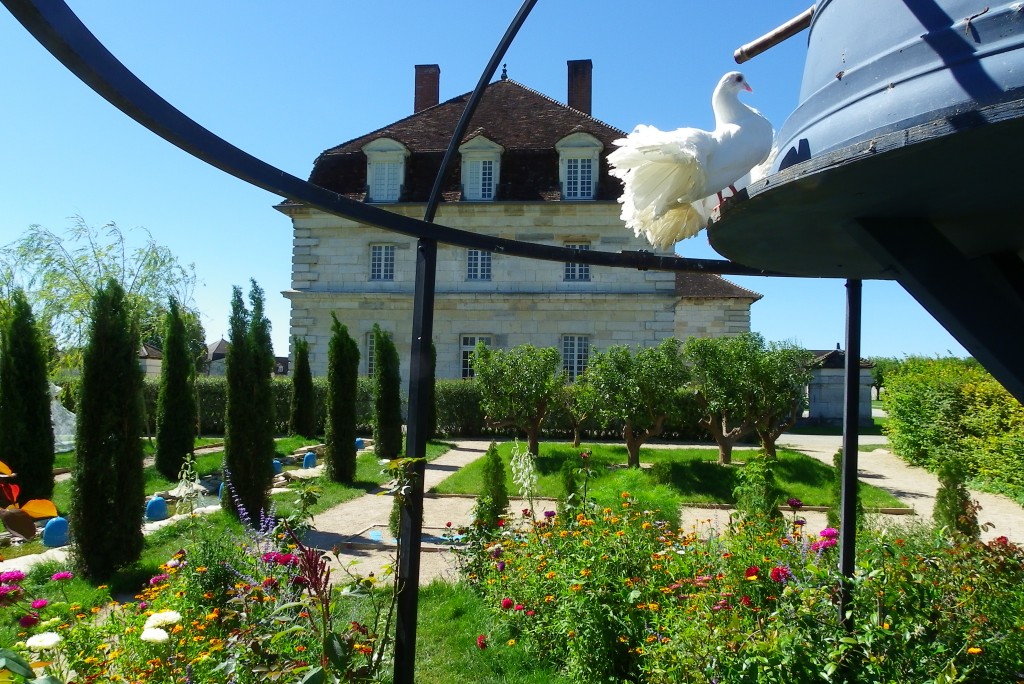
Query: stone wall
x: 826, y: 396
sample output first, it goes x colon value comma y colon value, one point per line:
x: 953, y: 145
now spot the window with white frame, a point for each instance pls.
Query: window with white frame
x: 478, y: 264
x: 385, y: 169
x: 575, y: 271
x: 481, y: 169
x: 382, y: 262
x: 575, y: 353
x: 578, y: 156
x: 469, y: 343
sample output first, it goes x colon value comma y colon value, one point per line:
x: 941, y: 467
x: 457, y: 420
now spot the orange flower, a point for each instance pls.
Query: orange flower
x: 974, y: 650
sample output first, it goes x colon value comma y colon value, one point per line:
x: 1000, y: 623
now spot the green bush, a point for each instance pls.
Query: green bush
x: 176, y: 400
x: 493, y: 503
x: 458, y: 408
x: 341, y: 399
x: 387, y: 397
x: 302, y: 413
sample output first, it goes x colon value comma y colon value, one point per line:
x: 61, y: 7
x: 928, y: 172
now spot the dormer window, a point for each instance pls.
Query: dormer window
x: 385, y: 169
x: 578, y: 155
x: 481, y: 169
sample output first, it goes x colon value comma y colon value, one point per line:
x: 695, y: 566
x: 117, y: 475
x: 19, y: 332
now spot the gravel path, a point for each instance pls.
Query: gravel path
x: 357, y: 529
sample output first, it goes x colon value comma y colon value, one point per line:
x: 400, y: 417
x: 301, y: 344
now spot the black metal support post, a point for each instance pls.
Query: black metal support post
x: 420, y: 375
x: 851, y: 428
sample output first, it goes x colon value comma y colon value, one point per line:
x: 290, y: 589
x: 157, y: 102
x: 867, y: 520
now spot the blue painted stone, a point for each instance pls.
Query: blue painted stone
x: 360, y: 443
x: 156, y: 508
x: 309, y: 460
x: 277, y: 466
x: 220, y: 491
x: 376, y: 535
x: 55, y: 532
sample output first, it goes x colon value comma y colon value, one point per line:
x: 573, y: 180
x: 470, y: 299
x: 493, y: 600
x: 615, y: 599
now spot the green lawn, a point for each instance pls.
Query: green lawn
x: 694, y: 475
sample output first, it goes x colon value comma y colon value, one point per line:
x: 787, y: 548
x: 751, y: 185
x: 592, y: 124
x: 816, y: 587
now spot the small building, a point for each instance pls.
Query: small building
x: 150, y: 360
x: 825, y: 392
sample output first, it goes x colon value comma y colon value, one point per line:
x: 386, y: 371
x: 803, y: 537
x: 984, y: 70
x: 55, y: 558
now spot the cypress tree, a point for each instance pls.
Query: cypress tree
x: 387, y: 413
x: 176, y: 400
x: 26, y: 427
x: 108, y: 492
x: 249, y: 416
x: 342, y: 381
x: 302, y: 418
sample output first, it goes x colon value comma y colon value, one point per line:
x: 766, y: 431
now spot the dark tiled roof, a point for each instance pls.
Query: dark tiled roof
x: 523, y: 121
x: 834, y: 358
x: 148, y: 351
x: 711, y: 286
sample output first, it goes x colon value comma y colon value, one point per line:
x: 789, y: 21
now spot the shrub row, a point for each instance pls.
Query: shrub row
x: 943, y: 407
x: 458, y: 410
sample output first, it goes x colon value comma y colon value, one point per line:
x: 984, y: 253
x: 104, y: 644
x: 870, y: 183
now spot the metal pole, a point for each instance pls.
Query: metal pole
x: 774, y: 37
x: 420, y: 377
x: 851, y: 416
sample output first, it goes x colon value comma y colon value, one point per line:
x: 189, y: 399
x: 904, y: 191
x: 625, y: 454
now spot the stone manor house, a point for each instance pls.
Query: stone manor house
x: 530, y: 168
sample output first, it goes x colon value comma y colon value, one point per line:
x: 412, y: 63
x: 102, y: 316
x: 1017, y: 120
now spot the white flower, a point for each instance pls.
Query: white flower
x: 163, y: 618
x: 155, y: 635
x: 43, y: 642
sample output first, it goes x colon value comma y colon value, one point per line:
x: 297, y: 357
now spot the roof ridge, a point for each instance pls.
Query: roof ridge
x: 563, y: 104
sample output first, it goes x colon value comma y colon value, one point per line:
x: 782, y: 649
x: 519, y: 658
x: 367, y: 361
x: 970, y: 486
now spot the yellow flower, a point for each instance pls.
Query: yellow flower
x: 549, y: 598
x: 585, y: 572
x: 511, y: 642
x: 551, y: 575
x: 974, y: 650
x: 575, y: 587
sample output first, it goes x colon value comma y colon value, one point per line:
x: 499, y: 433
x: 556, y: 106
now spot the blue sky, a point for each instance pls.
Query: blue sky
x: 285, y: 81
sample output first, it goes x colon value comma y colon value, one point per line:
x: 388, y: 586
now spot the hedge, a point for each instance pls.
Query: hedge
x: 458, y: 410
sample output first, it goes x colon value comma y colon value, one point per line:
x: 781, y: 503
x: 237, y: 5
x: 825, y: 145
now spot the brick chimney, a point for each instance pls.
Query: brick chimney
x: 580, y: 89
x: 428, y: 86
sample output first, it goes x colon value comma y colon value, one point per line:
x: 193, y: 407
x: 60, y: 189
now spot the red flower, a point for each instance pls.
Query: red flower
x: 752, y: 572
x: 501, y: 522
x: 506, y: 603
x: 520, y: 606
x: 745, y: 600
x: 780, y: 573
x: 481, y: 642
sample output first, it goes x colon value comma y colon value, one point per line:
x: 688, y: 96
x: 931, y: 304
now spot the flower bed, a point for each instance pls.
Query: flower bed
x: 614, y: 593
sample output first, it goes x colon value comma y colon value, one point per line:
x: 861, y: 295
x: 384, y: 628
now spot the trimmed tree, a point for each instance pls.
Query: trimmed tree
x: 639, y: 389
x: 387, y: 397
x: 176, y: 400
x: 108, y: 492
x: 580, y: 402
x: 26, y: 427
x: 719, y: 381
x: 342, y: 386
x: 518, y: 386
x: 302, y: 417
x: 249, y: 416
x: 780, y: 375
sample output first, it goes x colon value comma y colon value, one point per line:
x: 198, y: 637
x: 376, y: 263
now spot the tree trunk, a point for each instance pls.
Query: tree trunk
x: 576, y: 430
x: 633, y: 443
x: 533, y: 438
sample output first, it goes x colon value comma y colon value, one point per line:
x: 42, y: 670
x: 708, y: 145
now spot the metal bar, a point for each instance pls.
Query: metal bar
x: 774, y: 37
x: 420, y: 375
x: 420, y: 378
x: 851, y: 428
x: 57, y: 28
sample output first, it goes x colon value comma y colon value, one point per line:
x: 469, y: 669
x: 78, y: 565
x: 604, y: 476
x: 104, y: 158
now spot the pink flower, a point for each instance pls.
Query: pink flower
x: 830, y: 533
x: 481, y: 642
x: 530, y: 613
x: 40, y: 603
x: 506, y: 603
x: 157, y: 579
x: 520, y: 606
x: 780, y: 573
x: 12, y: 576
x: 62, y: 575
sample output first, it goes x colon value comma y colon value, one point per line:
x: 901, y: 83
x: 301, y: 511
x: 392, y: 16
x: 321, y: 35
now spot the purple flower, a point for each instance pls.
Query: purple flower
x: 549, y: 514
x: 12, y: 576
x: 29, y: 620
x: 62, y: 575
x: 830, y: 533
x: 501, y: 566
x: 795, y: 503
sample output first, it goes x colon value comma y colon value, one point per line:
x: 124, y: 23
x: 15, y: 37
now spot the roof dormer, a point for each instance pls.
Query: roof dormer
x: 385, y: 169
x: 481, y: 168
x: 578, y: 155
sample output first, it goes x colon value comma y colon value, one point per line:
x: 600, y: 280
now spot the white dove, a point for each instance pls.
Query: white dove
x: 668, y: 174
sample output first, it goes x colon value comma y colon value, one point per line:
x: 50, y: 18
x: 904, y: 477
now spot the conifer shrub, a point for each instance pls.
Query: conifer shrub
x: 108, y: 491
x: 493, y: 502
x: 954, y: 509
x: 387, y: 424
x: 341, y: 399
x: 249, y: 415
x: 758, y: 494
x: 176, y: 400
x: 26, y: 427
x: 302, y: 416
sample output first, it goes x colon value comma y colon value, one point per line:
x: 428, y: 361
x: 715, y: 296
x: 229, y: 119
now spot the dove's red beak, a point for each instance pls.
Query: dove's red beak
x: 746, y: 86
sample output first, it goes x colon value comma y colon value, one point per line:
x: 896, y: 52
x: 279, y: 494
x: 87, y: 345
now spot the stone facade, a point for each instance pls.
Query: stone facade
x: 520, y: 300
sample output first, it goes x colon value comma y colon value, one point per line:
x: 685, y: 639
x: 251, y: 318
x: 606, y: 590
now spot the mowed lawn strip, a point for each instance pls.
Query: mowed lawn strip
x: 694, y: 475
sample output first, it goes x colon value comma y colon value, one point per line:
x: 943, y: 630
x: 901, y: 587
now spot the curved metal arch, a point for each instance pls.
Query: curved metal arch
x: 64, y: 35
